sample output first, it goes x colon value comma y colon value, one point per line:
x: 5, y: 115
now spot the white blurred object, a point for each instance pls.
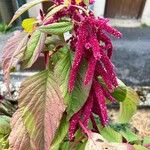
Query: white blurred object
x: 34, y: 11
x: 146, y: 14
x: 99, y: 7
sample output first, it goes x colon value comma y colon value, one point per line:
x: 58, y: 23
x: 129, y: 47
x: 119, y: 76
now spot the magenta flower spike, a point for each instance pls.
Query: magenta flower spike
x: 108, y: 44
x: 90, y: 71
x: 87, y: 110
x: 78, y: 56
x: 100, y: 103
x: 100, y: 71
x: 73, y: 125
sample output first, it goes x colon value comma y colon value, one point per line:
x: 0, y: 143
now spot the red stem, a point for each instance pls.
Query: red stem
x: 46, y: 54
x: 94, y: 123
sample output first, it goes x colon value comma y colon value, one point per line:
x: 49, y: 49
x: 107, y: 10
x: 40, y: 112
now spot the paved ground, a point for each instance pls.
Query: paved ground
x: 132, y: 56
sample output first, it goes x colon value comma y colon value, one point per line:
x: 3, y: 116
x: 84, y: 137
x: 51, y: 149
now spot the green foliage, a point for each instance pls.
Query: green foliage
x: 128, y: 99
x: 57, y: 28
x: 4, y: 131
x: 61, y: 134
x: 139, y: 147
x: 110, y: 134
x: 24, y: 8
x: 39, y: 98
x: 34, y: 47
x: 45, y: 104
x: 86, y: 2
x: 129, y: 106
x: 77, y: 98
x: 54, y: 11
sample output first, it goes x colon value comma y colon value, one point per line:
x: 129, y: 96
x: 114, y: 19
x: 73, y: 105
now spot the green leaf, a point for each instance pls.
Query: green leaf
x: 77, y: 98
x: 81, y: 146
x: 57, y: 28
x: 60, y: 134
x: 54, y: 11
x: 34, y: 47
x: 4, y: 125
x: 146, y: 140
x: 86, y: 2
x: 65, y: 146
x: 24, y: 8
x: 13, y: 53
x: 129, y: 106
x: 129, y: 135
x: 40, y: 111
x: 110, y: 134
x: 139, y: 147
x: 120, y: 93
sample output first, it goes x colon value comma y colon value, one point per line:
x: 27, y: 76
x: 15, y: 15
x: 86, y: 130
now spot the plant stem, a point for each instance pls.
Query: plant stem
x: 46, y: 54
x: 94, y: 123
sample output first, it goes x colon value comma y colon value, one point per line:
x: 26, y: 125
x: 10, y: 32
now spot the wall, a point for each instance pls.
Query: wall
x: 146, y: 14
x: 99, y: 7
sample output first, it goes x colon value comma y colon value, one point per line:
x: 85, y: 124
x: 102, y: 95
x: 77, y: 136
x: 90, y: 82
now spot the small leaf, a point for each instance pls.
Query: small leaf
x: 86, y: 2
x: 65, y: 146
x: 120, y: 93
x: 129, y: 106
x: 139, y: 147
x: 146, y: 140
x: 34, y: 47
x: 96, y: 142
x: 54, y: 11
x: 40, y: 110
x: 13, y: 53
x: 57, y: 28
x: 110, y: 134
x: 24, y: 8
x: 60, y: 134
x: 78, y: 97
x: 28, y: 24
x: 4, y: 125
x: 129, y: 135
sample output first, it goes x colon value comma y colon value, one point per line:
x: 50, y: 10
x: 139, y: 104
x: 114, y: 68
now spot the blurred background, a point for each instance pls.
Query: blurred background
x: 131, y: 53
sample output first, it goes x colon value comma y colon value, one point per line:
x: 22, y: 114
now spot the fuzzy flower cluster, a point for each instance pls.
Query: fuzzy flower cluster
x: 90, y: 42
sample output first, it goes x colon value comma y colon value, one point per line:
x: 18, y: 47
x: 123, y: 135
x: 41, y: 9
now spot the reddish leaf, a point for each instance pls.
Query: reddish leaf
x: 39, y: 114
x: 13, y: 52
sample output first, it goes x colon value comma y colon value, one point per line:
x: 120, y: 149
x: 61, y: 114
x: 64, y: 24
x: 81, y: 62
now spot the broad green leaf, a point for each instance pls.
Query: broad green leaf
x: 4, y: 125
x: 129, y: 106
x: 57, y: 28
x: 65, y: 146
x: 110, y: 134
x: 24, y: 8
x: 54, y: 11
x: 77, y: 98
x: 60, y: 134
x: 34, y: 47
x: 40, y: 111
x: 146, y: 140
x: 28, y: 24
x: 129, y: 135
x: 139, y: 147
x: 86, y: 2
x: 96, y: 142
x: 13, y: 53
x: 120, y: 93
x: 81, y: 146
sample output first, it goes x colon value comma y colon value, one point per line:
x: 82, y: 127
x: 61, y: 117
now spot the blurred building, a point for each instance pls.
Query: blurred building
x: 124, y: 9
